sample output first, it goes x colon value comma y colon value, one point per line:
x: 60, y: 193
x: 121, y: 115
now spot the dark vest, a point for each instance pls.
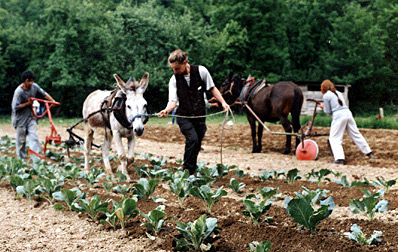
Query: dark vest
x: 191, y: 100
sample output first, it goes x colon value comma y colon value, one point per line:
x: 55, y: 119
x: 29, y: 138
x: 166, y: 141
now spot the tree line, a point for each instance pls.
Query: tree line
x: 75, y: 46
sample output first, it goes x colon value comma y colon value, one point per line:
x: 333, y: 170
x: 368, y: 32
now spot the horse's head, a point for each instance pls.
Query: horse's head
x: 231, y: 87
x: 135, y: 102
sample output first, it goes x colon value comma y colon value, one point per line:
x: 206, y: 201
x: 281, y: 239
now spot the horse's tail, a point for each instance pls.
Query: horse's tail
x: 296, y: 110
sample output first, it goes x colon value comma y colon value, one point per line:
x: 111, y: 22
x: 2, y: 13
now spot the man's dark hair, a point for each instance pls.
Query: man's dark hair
x: 27, y: 75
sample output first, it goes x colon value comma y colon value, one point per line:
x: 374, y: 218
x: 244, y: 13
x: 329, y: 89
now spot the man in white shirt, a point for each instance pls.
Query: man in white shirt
x: 186, y: 88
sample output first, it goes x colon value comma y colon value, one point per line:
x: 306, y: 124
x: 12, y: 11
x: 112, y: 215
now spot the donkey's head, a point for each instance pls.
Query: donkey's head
x: 135, y: 102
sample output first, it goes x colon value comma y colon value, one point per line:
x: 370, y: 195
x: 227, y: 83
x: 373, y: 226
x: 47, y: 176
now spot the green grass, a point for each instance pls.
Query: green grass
x: 321, y: 120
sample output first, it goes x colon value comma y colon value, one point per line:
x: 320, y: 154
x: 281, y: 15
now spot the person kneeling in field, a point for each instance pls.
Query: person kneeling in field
x: 22, y: 118
x: 187, y: 88
x: 334, y: 105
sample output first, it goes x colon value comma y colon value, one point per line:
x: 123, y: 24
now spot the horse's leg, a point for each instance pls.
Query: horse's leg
x: 88, y: 139
x: 252, y: 122
x: 130, y: 153
x: 105, y: 151
x: 259, y: 137
x: 121, y: 153
x: 296, y: 126
x: 288, y: 129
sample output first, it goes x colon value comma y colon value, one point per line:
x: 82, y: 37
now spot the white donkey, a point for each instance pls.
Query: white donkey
x: 134, y: 104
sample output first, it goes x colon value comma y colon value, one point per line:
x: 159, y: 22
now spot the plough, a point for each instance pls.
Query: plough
x: 54, y: 136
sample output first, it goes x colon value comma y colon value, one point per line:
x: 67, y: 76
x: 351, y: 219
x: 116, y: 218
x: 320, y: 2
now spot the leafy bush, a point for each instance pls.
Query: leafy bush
x: 144, y: 188
x: 208, y: 197
x: 155, y: 220
x: 358, y: 236
x: 302, y: 212
x: 370, y: 203
x: 195, y: 234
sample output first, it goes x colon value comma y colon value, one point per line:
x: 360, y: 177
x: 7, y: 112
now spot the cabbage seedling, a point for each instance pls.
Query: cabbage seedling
x: 127, y: 209
x: 370, y: 203
x: 263, y: 246
x: 358, y: 236
x: 29, y: 188
x: 208, y: 197
x: 70, y: 197
x: 254, y: 210
x: 144, y: 188
x: 180, y: 186
x: 155, y: 220
x: 302, y: 212
x: 387, y: 184
x: 94, y: 206
x: 195, y: 234
x: 236, y: 185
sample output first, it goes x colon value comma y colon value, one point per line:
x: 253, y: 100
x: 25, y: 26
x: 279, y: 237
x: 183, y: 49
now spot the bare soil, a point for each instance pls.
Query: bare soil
x: 33, y: 225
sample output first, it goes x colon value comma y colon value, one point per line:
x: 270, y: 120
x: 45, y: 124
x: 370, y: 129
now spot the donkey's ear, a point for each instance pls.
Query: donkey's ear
x: 143, y: 83
x: 120, y: 83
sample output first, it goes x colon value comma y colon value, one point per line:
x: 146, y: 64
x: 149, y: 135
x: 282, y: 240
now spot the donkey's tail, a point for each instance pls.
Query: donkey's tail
x: 296, y: 110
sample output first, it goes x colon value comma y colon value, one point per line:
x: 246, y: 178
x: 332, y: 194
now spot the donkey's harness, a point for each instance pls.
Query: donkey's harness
x: 116, y: 103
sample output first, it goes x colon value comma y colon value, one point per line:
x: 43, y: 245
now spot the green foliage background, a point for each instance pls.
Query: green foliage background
x: 74, y: 46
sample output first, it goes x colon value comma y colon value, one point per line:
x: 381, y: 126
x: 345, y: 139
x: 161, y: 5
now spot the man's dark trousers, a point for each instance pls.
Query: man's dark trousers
x: 194, y: 130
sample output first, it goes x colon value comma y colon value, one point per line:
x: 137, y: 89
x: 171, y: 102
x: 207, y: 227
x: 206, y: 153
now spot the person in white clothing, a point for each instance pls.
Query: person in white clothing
x: 334, y: 105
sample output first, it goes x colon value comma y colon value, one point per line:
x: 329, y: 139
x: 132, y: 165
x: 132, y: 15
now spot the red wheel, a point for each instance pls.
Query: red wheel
x: 309, y: 151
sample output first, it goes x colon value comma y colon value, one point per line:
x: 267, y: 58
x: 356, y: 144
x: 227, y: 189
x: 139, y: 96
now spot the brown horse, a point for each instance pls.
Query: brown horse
x: 271, y: 103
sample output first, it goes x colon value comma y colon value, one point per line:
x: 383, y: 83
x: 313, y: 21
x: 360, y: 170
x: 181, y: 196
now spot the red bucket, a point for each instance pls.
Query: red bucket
x: 309, y: 151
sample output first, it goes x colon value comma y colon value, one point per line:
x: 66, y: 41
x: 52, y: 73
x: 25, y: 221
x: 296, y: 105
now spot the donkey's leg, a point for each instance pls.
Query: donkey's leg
x: 105, y: 151
x: 130, y: 153
x: 88, y: 139
x: 252, y: 122
x: 122, y: 155
x: 288, y: 129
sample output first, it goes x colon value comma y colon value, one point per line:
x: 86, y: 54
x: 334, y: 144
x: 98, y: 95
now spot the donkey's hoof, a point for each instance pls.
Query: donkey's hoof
x: 287, y: 151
